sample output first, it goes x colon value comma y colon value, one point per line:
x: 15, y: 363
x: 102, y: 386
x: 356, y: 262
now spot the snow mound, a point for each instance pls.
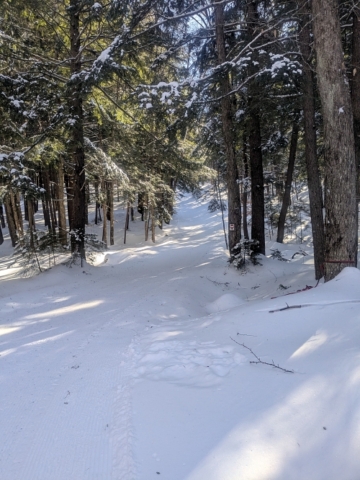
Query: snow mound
x: 224, y: 303
x: 187, y: 363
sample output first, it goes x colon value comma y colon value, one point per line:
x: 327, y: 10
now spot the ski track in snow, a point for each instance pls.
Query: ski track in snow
x: 118, y: 374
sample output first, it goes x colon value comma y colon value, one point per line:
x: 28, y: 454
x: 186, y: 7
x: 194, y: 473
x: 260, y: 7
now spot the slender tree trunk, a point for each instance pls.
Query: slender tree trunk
x: 16, y: 212
x: 339, y: 145
x: 153, y: 224
x: 10, y: 221
x: 312, y: 164
x: 30, y: 209
x: 104, y: 206
x: 1, y: 236
x: 254, y: 130
x: 245, y: 194
x: 61, y: 204
x: 289, y: 176
x: 76, y: 145
x: 2, y: 219
x: 234, y: 204
x: 111, y: 208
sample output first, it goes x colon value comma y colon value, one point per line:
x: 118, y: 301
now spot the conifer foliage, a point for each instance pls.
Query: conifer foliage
x: 138, y: 98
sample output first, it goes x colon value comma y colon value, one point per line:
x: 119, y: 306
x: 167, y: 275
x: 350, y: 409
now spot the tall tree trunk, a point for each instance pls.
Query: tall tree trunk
x: 61, y: 204
x: 254, y: 131
x: 289, y: 177
x: 339, y: 145
x: 76, y: 144
x: 104, y: 206
x: 16, y: 212
x: 2, y: 219
x: 10, y: 221
x: 111, y: 208
x: 245, y: 194
x: 355, y: 95
x: 312, y: 164
x: 234, y: 205
x: 1, y: 236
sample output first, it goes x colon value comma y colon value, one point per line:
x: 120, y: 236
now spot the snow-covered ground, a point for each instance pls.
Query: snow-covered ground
x: 133, y: 368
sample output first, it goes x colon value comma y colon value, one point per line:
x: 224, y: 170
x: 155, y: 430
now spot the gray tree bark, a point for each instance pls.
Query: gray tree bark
x: 339, y: 144
x: 312, y: 164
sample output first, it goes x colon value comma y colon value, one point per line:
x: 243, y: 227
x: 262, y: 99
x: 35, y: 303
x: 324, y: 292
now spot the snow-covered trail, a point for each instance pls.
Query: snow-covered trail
x: 126, y: 370
x: 65, y: 406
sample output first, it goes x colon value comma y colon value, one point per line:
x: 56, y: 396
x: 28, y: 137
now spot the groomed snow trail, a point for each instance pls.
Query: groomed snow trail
x: 127, y: 370
x: 68, y: 345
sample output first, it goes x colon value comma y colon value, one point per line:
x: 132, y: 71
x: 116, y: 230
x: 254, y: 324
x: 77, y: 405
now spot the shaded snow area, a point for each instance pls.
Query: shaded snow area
x: 133, y: 368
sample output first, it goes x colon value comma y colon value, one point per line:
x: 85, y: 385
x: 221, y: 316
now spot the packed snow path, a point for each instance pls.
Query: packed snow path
x: 126, y: 370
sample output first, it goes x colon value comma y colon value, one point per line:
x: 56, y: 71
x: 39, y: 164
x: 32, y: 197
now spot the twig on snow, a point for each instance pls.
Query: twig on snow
x: 287, y: 308
x: 261, y: 361
x: 218, y: 283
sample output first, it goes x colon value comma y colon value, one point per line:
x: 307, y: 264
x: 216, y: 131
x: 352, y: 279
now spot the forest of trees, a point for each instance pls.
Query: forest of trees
x: 136, y: 99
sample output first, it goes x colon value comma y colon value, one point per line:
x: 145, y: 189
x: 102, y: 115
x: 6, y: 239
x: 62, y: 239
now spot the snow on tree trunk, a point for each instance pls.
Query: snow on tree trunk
x: 339, y: 145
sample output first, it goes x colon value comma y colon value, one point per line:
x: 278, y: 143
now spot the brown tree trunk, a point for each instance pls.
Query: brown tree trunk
x: 339, y: 145
x: 76, y: 145
x: 61, y: 204
x: 254, y: 131
x: 355, y: 95
x: 111, y: 209
x: 289, y: 176
x: 234, y: 204
x: 312, y: 164
x: 245, y: 194
x: 10, y: 221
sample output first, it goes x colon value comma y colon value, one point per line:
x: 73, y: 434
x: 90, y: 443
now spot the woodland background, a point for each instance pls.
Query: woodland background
x: 139, y: 99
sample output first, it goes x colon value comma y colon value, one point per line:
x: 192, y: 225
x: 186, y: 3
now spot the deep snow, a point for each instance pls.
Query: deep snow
x: 126, y: 370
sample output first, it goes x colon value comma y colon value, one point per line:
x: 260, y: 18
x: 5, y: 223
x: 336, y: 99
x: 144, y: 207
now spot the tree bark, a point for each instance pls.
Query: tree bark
x: 339, y: 145
x: 234, y: 204
x: 355, y: 97
x: 289, y: 176
x: 254, y: 131
x: 61, y: 204
x: 245, y: 194
x: 2, y: 219
x: 76, y: 144
x: 10, y: 221
x: 312, y: 164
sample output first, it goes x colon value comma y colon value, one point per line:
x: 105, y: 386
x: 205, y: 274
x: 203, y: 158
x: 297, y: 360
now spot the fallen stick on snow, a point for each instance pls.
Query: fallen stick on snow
x: 287, y: 308
x: 261, y: 361
x: 313, y: 305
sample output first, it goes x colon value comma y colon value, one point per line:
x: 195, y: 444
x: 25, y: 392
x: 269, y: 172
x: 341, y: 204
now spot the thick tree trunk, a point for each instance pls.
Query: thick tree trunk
x: 289, y: 177
x: 76, y: 144
x: 234, y: 205
x: 339, y: 145
x: 355, y: 96
x: 312, y: 164
x: 254, y: 131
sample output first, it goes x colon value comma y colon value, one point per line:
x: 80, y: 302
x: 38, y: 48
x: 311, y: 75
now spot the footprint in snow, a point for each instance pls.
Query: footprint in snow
x: 186, y: 363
